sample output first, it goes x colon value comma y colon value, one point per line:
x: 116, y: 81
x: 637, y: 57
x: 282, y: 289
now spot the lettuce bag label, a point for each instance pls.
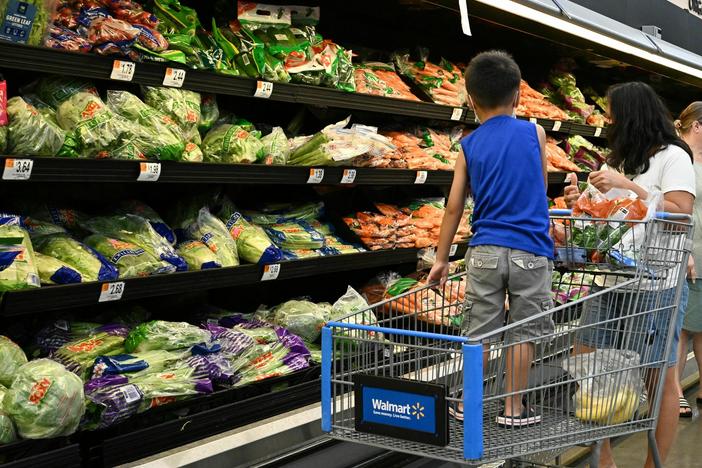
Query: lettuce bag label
x: 39, y: 390
x: 17, y: 21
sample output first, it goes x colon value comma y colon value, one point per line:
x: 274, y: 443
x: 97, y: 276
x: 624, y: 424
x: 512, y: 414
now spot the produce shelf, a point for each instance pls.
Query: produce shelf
x: 33, y: 301
x: 45, y: 60
x: 41, y: 454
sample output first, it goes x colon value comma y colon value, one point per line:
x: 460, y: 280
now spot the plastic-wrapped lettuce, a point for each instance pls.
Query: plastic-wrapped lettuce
x: 168, y: 142
x: 181, y: 105
x: 303, y: 318
x: 91, y: 265
x: 295, y: 235
x: 11, y: 358
x: 54, y: 271
x: 45, y: 400
x: 130, y: 259
x: 79, y: 356
x: 54, y: 90
x: 138, y: 231
x: 18, y: 268
x: 231, y: 144
x: 252, y: 242
x: 284, y: 212
x: 136, y: 364
x: 197, y: 255
x: 209, y: 112
x: 8, y: 434
x: 192, y: 153
x: 214, y: 234
x: 276, y: 147
x: 145, y: 211
x: 30, y: 132
x: 160, y: 334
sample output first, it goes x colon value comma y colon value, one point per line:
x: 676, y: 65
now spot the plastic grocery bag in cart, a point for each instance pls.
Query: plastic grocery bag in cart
x: 609, y: 385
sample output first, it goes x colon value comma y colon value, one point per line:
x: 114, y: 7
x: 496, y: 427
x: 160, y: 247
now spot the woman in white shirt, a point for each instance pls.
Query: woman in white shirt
x: 646, y: 156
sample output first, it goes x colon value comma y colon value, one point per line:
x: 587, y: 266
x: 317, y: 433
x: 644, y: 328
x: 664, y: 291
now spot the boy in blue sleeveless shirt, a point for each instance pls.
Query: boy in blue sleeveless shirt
x: 511, y: 252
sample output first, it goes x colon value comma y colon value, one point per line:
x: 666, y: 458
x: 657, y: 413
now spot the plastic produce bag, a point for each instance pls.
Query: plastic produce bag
x: 607, y: 393
x: 182, y: 105
x: 231, y: 144
x: 3, y: 115
x: 295, y: 236
x: 11, y: 359
x: 45, y: 400
x: 131, y: 260
x: 303, y: 318
x: 214, y: 234
x: 30, y: 132
x: 79, y: 356
x: 59, y: 332
x: 55, y: 90
x: 54, y: 271
x: 197, y: 255
x: 17, y: 264
x: 145, y: 211
x: 276, y: 148
x: 163, y: 335
x: 8, y: 434
x: 136, y: 364
x: 285, y: 212
x: 209, y: 112
x: 91, y: 265
x: 192, y: 153
x: 25, y: 22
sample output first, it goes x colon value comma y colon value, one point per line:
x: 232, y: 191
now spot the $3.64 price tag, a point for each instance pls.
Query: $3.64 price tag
x: 264, y: 89
x: 17, y: 169
x: 316, y: 176
x: 149, y: 172
x: 175, y: 77
x: 349, y: 176
x: 122, y: 70
x: 111, y: 291
x: 270, y: 272
x: 421, y: 177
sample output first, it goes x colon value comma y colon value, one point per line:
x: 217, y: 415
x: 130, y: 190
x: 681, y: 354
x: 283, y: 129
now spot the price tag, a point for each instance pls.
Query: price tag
x: 17, y: 169
x: 270, y: 272
x: 457, y: 113
x: 123, y: 71
x: 453, y: 250
x: 175, y: 77
x: 533, y: 120
x: 421, y: 177
x: 349, y: 176
x: 316, y: 176
x: 149, y: 172
x: 264, y: 89
x: 598, y: 131
x: 111, y: 291
x: 557, y: 125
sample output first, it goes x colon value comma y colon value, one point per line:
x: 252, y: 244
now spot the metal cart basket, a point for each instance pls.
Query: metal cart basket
x: 395, y: 375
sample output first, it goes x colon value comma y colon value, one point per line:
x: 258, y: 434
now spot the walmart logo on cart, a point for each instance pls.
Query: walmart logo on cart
x: 392, y: 410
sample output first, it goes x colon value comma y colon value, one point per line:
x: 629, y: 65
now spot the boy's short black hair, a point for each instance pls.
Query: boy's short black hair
x: 492, y: 79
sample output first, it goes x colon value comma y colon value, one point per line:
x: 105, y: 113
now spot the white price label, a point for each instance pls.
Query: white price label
x: 453, y: 250
x: 533, y: 120
x: 598, y: 131
x: 316, y: 176
x: 175, y: 77
x: 149, y: 172
x: 123, y: 71
x: 111, y: 291
x: 130, y: 393
x: 457, y: 113
x: 349, y: 176
x: 421, y: 177
x: 557, y: 125
x: 270, y: 272
x: 17, y: 169
x: 264, y: 89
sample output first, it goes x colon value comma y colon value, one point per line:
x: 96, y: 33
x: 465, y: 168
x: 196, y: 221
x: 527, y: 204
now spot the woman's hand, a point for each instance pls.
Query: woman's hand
x: 604, y: 181
x: 571, y: 193
x: 691, y: 272
x: 438, y: 273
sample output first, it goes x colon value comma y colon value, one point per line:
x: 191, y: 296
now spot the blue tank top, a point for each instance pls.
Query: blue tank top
x: 503, y: 157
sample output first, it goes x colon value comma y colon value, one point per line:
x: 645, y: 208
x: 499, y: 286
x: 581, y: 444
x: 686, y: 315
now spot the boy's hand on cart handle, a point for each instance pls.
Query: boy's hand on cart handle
x: 439, y: 273
x: 691, y: 271
x: 571, y: 193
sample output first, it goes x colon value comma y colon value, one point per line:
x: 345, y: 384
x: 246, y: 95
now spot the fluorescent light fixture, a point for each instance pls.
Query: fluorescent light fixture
x: 561, y: 24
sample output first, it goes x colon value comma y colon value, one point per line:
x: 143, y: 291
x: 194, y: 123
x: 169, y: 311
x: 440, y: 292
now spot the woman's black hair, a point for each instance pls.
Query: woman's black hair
x: 641, y: 126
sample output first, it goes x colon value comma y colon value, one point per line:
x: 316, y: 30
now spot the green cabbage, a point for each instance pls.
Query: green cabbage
x: 231, y: 144
x: 45, y: 400
x: 11, y: 358
x: 163, y: 335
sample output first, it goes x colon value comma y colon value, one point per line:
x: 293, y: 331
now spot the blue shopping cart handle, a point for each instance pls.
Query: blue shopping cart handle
x: 560, y: 212
x: 659, y: 215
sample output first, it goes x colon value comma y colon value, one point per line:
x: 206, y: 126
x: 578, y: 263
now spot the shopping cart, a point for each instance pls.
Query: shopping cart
x: 391, y: 374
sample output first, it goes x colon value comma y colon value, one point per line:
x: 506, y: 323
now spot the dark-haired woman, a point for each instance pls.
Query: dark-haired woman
x: 647, y: 156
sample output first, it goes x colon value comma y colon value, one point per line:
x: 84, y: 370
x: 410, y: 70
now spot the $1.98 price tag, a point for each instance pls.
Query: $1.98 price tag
x: 264, y: 89
x: 149, y: 172
x: 17, y: 169
x: 122, y: 70
x: 175, y: 77
x: 316, y: 176
x: 111, y: 291
x: 270, y: 272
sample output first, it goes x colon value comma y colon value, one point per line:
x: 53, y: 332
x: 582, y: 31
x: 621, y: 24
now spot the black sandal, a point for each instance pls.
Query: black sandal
x: 685, y: 409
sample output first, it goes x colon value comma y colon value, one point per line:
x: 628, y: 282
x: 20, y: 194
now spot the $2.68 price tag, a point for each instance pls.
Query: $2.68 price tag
x: 175, y: 77
x: 149, y: 172
x: 264, y: 89
x: 270, y: 272
x: 17, y: 169
x: 111, y: 291
x: 316, y: 176
x: 122, y: 70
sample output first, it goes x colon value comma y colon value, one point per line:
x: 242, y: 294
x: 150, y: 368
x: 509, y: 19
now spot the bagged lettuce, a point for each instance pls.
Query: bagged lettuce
x: 8, y: 433
x: 160, y: 334
x: 45, y: 400
x: 209, y: 112
x: 91, y: 265
x: 285, y: 212
x: 302, y: 318
x: 276, y: 147
x: 18, y: 268
x: 34, y: 133
x: 295, y: 235
x: 214, y: 234
x: 11, y: 359
x: 192, y: 153
x: 252, y: 242
x: 182, y: 105
x: 136, y: 364
x: 131, y: 260
x: 79, y: 356
x: 54, y: 90
x: 197, y: 255
x: 145, y: 211
x: 231, y: 144
x: 54, y: 271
